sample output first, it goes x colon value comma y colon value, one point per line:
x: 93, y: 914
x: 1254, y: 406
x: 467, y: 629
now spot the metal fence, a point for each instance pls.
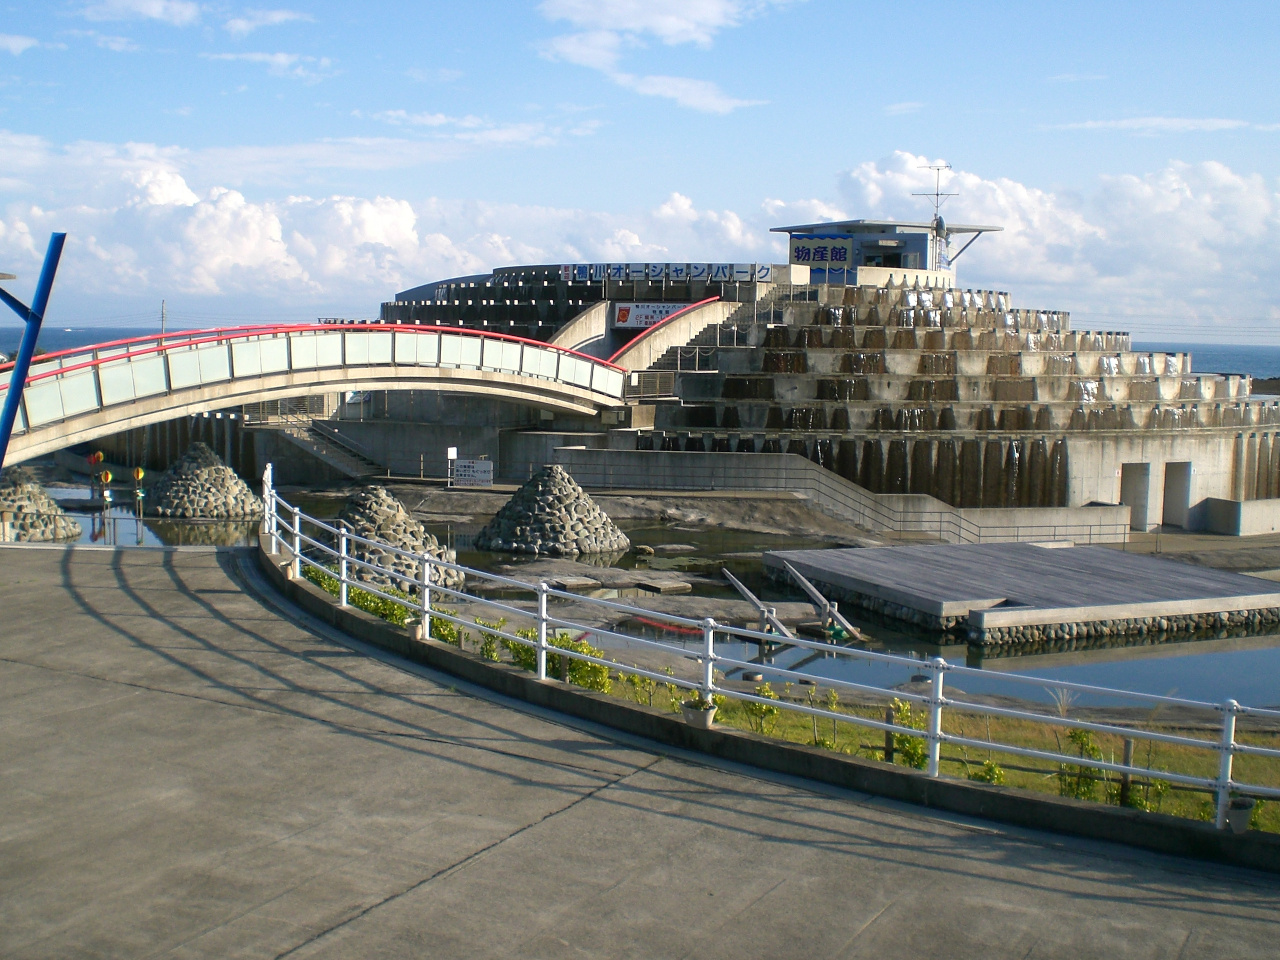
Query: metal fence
x: 312, y: 543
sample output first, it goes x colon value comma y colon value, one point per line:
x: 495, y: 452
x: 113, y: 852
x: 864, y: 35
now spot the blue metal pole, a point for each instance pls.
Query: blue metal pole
x: 34, y: 316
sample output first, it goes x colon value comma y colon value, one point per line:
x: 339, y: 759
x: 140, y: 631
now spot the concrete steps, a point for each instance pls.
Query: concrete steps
x: 329, y: 450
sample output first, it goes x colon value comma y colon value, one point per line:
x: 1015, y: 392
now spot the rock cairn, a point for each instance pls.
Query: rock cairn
x: 33, y: 516
x: 552, y: 516
x: 373, y: 513
x: 200, y: 485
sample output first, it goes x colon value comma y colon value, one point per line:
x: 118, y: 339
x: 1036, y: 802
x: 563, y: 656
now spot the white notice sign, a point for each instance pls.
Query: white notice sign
x: 473, y: 473
x: 637, y: 316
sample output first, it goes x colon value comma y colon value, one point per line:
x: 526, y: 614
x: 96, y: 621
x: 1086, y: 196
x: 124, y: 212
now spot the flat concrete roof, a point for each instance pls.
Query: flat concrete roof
x: 1026, y: 583
x: 859, y: 226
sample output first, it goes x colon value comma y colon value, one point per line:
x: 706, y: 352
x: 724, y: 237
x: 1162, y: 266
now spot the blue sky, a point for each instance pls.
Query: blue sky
x: 248, y: 162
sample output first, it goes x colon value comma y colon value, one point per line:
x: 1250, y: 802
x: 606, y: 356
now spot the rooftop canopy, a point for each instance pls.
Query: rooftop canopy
x: 877, y: 226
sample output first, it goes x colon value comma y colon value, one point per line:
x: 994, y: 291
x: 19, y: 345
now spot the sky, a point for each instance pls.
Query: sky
x: 249, y: 163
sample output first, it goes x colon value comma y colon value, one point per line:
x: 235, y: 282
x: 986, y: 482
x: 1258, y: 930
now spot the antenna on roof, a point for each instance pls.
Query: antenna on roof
x: 939, y: 238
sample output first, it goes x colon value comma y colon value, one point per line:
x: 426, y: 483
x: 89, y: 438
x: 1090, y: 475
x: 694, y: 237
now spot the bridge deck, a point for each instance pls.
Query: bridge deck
x: 189, y: 774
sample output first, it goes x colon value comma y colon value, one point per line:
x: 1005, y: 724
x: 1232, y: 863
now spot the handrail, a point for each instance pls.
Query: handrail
x: 226, y: 334
x: 329, y: 550
x: 337, y: 436
x: 84, y: 382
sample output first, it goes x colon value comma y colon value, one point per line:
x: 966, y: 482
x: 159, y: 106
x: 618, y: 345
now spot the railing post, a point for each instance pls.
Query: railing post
x: 342, y: 566
x: 270, y: 508
x: 1226, y: 750
x: 424, y: 595
x: 708, y: 659
x: 542, y: 630
x: 935, y: 715
x: 297, y: 543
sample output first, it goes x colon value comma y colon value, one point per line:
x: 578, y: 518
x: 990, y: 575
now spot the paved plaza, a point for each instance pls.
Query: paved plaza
x: 186, y: 772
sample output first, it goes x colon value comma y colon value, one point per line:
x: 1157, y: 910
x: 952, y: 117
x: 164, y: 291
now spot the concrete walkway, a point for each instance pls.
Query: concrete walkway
x: 186, y: 773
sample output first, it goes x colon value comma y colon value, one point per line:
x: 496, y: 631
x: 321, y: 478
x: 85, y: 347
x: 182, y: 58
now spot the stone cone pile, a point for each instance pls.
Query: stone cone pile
x: 33, y: 516
x: 552, y: 516
x: 200, y: 485
x: 373, y: 513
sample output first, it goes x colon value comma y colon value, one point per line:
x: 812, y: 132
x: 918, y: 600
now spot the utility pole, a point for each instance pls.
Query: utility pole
x: 163, y: 317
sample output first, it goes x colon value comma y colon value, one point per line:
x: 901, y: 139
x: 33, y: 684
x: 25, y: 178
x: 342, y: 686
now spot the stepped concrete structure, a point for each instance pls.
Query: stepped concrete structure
x: 865, y: 356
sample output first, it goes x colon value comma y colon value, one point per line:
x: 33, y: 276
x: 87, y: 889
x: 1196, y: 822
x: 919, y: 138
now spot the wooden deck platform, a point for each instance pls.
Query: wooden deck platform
x: 1001, y: 585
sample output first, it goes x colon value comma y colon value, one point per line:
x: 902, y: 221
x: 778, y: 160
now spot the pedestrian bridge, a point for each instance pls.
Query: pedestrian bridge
x: 80, y: 395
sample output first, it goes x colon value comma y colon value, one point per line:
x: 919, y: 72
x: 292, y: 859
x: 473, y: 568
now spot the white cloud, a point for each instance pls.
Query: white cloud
x: 1183, y: 241
x: 401, y: 118
x: 438, y: 75
x: 116, y: 44
x: 695, y: 94
x: 15, y: 43
x: 280, y: 64
x: 179, y: 13
x: 1164, y: 251
x: 1155, y: 125
x: 898, y: 109
x: 671, y: 21
x: 253, y: 19
x: 604, y: 30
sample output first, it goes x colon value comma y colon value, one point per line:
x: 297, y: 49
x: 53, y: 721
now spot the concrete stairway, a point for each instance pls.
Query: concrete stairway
x: 328, y: 446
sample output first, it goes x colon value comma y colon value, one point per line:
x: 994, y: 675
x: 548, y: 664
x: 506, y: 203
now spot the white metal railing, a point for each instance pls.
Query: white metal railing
x: 312, y: 543
x: 73, y: 383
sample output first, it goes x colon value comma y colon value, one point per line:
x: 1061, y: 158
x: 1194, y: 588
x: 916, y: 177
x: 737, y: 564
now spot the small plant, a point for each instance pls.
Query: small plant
x: 908, y: 750
x: 762, y: 717
x: 675, y: 695
x: 833, y: 704
x: 489, y: 640
x: 989, y: 772
x: 388, y: 610
x: 641, y: 688
x: 446, y: 631
x: 698, y: 700
x: 593, y: 676
x: 1080, y: 782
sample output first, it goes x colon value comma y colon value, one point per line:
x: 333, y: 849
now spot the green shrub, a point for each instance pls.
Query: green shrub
x: 642, y: 689
x: 989, y: 772
x: 1080, y: 782
x: 908, y: 750
x: 762, y: 717
x: 488, y: 640
x: 593, y: 676
x: 388, y: 610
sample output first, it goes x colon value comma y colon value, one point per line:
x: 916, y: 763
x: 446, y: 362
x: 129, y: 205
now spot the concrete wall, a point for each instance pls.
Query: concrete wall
x: 641, y: 352
x: 678, y: 470
x: 1243, y: 466
x: 1097, y: 468
x: 1237, y: 518
x: 523, y: 452
x: 411, y: 430
x: 588, y: 332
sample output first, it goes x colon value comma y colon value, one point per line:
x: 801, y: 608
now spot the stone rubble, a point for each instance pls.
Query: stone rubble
x: 374, y: 514
x: 551, y: 516
x: 33, y: 516
x: 201, y: 486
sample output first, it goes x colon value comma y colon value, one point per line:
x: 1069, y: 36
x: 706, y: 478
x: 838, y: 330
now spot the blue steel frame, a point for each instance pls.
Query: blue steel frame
x: 33, y: 316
